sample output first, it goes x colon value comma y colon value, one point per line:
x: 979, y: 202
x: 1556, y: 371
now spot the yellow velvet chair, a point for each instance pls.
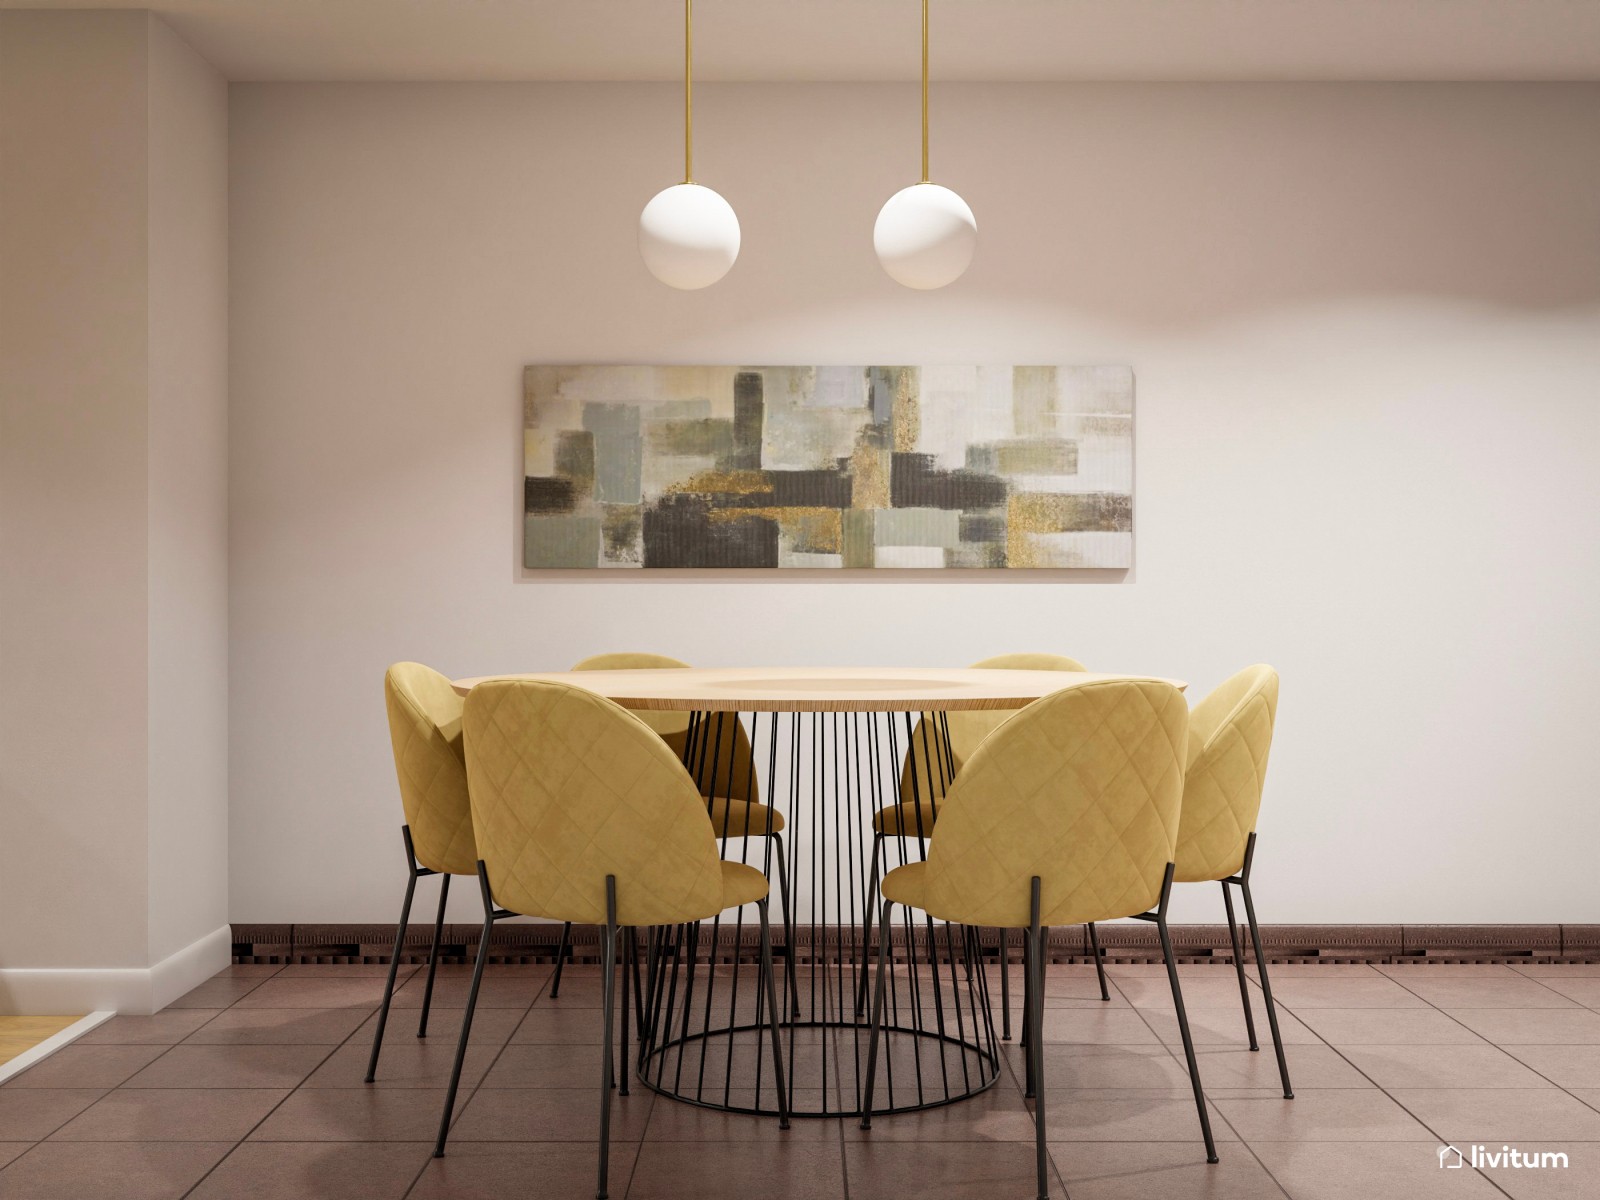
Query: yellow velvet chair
x: 1230, y: 737
x: 720, y: 758
x: 927, y: 775
x: 425, y: 731
x: 1069, y: 813
x: 582, y: 813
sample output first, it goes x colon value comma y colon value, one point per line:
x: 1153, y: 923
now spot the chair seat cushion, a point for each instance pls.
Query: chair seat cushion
x: 741, y: 884
x: 743, y: 818
x: 901, y: 820
x: 907, y: 885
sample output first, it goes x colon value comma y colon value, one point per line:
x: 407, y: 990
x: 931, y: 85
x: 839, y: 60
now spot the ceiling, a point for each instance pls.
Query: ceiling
x: 815, y: 40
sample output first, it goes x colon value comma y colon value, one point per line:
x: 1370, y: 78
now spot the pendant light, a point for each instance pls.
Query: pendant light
x: 688, y: 234
x: 925, y: 235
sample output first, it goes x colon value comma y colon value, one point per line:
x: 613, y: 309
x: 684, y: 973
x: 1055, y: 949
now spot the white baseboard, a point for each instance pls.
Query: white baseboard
x: 51, y: 1044
x: 136, y: 991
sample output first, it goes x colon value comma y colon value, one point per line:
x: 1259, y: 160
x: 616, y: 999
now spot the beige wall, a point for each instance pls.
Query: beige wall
x: 112, y: 508
x: 1365, y: 322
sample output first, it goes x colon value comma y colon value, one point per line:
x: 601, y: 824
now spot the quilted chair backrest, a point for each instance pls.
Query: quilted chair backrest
x: 723, y: 748
x: 568, y: 788
x: 968, y: 729
x: 1081, y: 788
x: 1230, y: 736
x: 425, y: 730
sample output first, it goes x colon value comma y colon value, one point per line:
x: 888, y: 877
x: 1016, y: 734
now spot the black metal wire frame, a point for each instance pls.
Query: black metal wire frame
x: 415, y: 871
x: 1242, y: 882
x: 827, y: 773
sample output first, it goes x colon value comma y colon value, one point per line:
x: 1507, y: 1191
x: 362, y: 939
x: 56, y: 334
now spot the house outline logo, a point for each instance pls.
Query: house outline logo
x: 1448, y: 1152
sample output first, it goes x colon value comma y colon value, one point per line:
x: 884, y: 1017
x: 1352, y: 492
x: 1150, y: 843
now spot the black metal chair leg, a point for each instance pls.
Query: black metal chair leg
x: 394, y: 959
x: 608, y: 1012
x: 472, y: 1007
x: 1027, y: 1025
x: 772, y: 1017
x: 868, y: 907
x: 433, y: 956
x: 623, y: 1070
x: 877, y: 1014
x: 1183, y: 1017
x: 1238, y: 966
x: 562, y: 950
x: 1036, y: 936
x: 1099, y: 962
x: 788, y: 927
x: 1261, y: 965
x: 1005, y: 987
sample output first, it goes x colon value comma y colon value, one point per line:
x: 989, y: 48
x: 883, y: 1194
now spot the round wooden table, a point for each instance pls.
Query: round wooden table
x: 827, y: 748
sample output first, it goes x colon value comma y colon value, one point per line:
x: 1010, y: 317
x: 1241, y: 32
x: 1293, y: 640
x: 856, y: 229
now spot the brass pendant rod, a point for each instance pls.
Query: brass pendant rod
x: 688, y: 91
x: 925, y: 91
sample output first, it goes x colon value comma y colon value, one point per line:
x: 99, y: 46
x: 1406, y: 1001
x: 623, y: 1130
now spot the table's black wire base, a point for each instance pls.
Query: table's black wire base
x: 702, y: 1011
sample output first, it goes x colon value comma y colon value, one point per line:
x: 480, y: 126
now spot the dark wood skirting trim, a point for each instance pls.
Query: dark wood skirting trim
x: 516, y: 942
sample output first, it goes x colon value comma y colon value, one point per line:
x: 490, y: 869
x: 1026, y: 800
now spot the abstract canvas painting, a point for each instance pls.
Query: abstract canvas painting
x: 848, y: 467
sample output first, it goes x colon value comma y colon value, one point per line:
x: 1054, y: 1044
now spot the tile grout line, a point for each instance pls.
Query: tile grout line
x: 461, y: 1105
x: 332, y: 1050
x: 1393, y: 1099
x: 1221, y: 1116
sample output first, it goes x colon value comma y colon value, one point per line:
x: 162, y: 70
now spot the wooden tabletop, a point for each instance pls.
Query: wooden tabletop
x: 818, y: 689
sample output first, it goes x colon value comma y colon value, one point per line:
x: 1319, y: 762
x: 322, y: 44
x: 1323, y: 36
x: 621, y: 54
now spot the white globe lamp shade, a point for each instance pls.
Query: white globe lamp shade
x: 925, y: 236
x: 688, y: 236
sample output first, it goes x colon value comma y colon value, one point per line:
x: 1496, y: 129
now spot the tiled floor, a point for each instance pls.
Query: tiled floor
x: 250, y: 1088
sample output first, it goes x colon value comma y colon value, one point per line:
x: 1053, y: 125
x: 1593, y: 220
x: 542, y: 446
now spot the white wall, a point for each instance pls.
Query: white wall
x: 113, y: 495
x: 1365, y: 324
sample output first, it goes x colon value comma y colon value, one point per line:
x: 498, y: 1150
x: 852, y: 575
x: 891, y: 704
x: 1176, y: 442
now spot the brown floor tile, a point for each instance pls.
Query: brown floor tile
x: 350, y: 971
x: 1331, y: 1115
x: 491, y: 1026
x: 316, y: 993
x: 1094, y: 1026
x: 550, y: 1115
x: 781, y: 1170
x: 77, y: 1066
x: 356, y: 1115
x: 1309, y: 1067
x: 1219, y: 1027
x: 675, y: 1121
x: 1581, y: 991
x: 223, y: 989
x: 29, y: 1115
x: 405, y: 1063
x: 10, y: 1150
x: 1387, y: 1027
x: 1402, y: 972
x: 1087, y: 1066
x: 1532, y: 1026
x: 1578, y: 1180
x: 502, y: 987
x: 165, y: 1028
x: 887, y: 1170
x: 1443, y: 1067
x: 124, y: 1170
x: 279, y: 1026
x: 546, y: 1067
x: 1502, y: 1114
x: 1369, y: 1171
x: 1169, y: 1170
x: 1567, y: 971
x: 1219, y: 991
x: 1303, y: 991
x: 998, y: 1115
x: 230, y: 1067
x: 170, y: 1115
x: 1564, y: 1066
x: 1509, y: 990
x: 1127, y: 1115
x: 496, y: 1170
x: 561, y: 1026
x: 315, y: 1171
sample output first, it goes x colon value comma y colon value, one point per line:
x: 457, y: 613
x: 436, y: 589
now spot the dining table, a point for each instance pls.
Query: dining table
x: 828, y: 748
